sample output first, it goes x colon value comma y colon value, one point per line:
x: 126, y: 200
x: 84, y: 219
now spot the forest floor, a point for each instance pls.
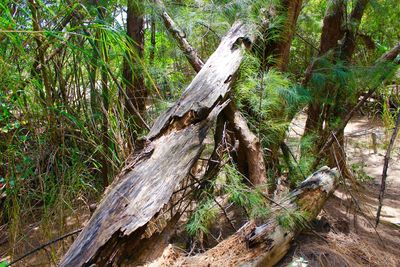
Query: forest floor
x: 344, y: 234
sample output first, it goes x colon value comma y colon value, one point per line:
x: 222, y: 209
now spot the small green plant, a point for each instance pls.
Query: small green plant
x: 239, y: 193
x: 202, y: 218
x: 288, y: 219
x: 360, y: 174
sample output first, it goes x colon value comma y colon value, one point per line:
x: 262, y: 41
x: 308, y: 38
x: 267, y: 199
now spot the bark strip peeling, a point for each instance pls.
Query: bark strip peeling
x: 265, y: 244
x: 173, y: 146
x: 212, y: 83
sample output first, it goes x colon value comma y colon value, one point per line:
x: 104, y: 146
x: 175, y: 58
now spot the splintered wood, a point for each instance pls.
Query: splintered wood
x: 117, y: 228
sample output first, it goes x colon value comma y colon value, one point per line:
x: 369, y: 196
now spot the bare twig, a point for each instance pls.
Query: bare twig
x: 307, y: 42
x: 43, y: 246
x: 353, y: 198
x: 385, y: 168
x: 225, y: 214
x: 348, y: 117
x: 209, y: 29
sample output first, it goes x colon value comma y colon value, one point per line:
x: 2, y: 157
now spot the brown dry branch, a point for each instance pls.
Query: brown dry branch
x: 385, y: 168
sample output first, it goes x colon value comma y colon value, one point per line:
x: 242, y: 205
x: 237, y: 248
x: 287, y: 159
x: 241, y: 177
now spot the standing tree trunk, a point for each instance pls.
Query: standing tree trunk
x: 152, y: 38
x: 274, y: 53
x: 338, y: 42
x: 43, y: 74
x: 344, y: 98
x: 280, y: 48
x: 102, y: 51
x: 92, y: 69
x: 133, y: 67
x: 386, y: 62
x: 332, y: 32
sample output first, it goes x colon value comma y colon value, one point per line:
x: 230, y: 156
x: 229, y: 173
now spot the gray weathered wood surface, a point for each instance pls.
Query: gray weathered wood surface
x: 173, y: 146
x: 211, y: 84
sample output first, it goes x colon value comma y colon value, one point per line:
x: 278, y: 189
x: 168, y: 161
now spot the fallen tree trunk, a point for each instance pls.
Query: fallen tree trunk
x: 250, y: 149
x: 265, y: 244
x: 133, y: 208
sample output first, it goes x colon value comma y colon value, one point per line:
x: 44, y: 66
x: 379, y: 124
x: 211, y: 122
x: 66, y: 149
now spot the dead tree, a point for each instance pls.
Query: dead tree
x: 139, y: 208
x: 127, y: 215
x: 266, y: 243
x: 250, y: 150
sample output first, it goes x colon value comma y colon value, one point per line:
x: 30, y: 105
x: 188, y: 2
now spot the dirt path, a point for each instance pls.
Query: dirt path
x: 360, y: 152
x: 346, y: 236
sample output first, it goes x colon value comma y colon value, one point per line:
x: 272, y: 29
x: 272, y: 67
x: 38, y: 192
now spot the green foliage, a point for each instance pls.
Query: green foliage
x: 202, y: 217
x: 52, y: 150
x: 381, y: 23
x: 289, y: 220
x: 269, y: 99
x: 239, y: 193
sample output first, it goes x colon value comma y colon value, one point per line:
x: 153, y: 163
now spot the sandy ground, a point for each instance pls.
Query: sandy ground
x: 346, y: 235
x: 360, y: 150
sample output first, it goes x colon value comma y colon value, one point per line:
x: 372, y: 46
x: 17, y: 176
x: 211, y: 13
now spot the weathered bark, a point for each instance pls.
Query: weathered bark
x: 267, y: 243
x: 128, y: 213
x: 332, y: 32
x: 290, y: 9
x: 180, y: 38
x: 133, y: 74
